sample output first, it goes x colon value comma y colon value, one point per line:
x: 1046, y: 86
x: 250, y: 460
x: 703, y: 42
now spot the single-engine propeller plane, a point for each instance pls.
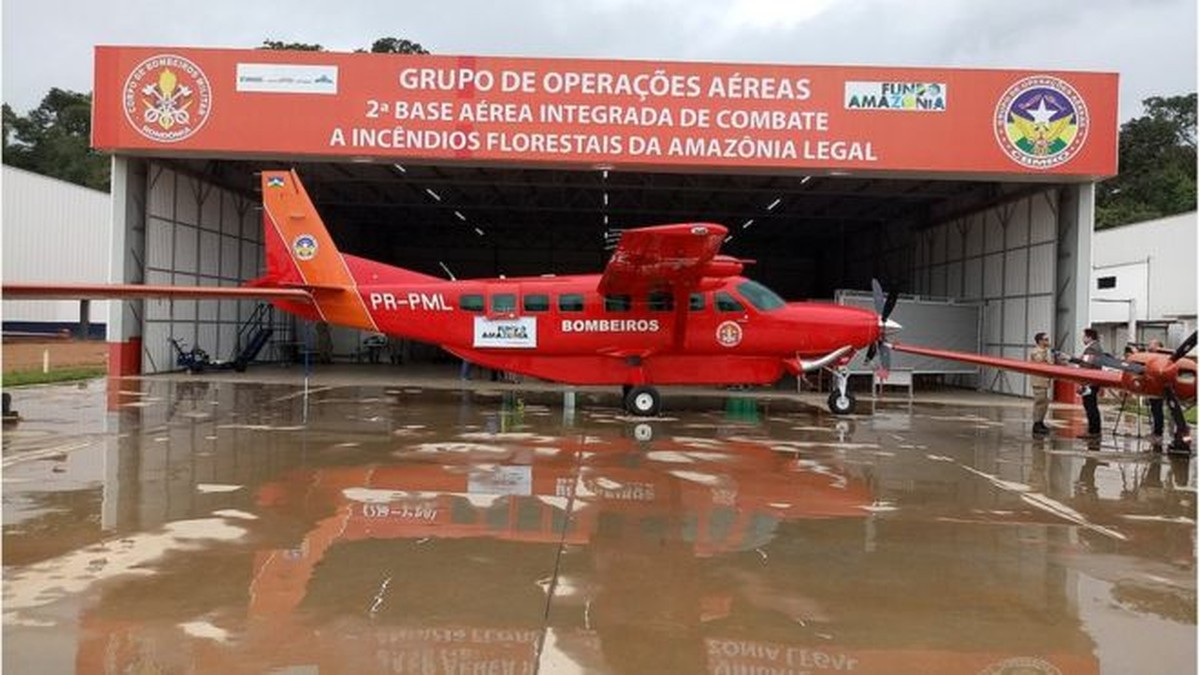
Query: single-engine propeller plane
x: 668, y: 309
x: 1169, y: 375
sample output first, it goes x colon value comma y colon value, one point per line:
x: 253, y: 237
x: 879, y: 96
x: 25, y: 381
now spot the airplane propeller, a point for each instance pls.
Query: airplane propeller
x: 1184, y: 347
x: 883, y: 307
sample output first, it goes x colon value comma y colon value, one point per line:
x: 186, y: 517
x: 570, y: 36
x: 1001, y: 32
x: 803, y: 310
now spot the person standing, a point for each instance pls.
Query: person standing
x: 1092, y: 353
x: 1156, y: 403
x: 1040, y: 384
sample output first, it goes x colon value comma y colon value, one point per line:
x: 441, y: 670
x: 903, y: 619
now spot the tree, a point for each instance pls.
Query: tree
x: 1157, y: 175
x: 291, y: 46
x: 54, y: 139
x: 391, y: 45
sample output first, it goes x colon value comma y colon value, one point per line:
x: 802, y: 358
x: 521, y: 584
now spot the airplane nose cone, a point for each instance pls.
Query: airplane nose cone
x: 891, y: 327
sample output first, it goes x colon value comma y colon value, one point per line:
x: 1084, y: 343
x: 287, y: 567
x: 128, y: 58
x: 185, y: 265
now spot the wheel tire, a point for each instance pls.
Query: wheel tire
x: 643, y: 401
x: 643, y: 432
x: 841, y: 405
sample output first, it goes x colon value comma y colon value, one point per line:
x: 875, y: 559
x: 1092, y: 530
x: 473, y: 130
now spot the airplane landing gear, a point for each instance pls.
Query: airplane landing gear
x: 642, y: 401
x: 841, y: 402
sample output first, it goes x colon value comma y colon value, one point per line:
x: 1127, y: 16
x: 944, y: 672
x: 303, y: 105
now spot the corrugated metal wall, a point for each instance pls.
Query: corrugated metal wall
x: 1004, y: 257
x: 197, y: 234
x: 58, y: 232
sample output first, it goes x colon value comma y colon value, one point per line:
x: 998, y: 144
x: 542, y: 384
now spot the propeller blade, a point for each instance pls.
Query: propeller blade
x: 1182, y: 350
x: 1110, y: 361
x: 877, y: 296
x: 871, y: 351
x: 889, y: 305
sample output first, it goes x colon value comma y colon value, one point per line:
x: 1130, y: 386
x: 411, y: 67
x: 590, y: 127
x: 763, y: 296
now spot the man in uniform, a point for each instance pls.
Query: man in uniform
x: 1040, y: 384
x: 1156, y: 404
x: 1092, y: 353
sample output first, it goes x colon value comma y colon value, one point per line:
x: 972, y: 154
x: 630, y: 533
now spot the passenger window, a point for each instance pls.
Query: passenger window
x: 617, y: 303
x: 696, y: 302
x: 660, y: 301
x: 570, y: 302
x: 504, y: 303
x: 536, y: 303
x: 471, y: 302
x: 727, y: 303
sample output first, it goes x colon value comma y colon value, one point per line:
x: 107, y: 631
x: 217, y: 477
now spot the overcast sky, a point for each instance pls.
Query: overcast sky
x: 1151, y: 43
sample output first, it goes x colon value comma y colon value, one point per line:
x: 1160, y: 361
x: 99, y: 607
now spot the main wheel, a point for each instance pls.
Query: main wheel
x: 643, y: 401
x: 840, y: 404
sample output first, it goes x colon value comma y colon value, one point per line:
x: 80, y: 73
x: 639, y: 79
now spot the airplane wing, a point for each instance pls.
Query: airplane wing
x: 672, y: 257
x: 131, y: 291
x: 1097, y: 376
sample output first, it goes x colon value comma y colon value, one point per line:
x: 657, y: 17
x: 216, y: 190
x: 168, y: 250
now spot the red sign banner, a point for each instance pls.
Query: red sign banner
x: 575, y: 113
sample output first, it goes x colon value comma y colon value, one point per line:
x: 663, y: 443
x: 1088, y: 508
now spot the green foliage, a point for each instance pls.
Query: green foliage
x: 291, y: 46
x: 1158, y: 165
x: 19, y: 378
x: 54, y: 139
x: 391, y: 45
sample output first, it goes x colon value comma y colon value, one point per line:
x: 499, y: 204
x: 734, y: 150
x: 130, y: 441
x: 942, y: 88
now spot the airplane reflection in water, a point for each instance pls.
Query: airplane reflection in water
x: 506, y: 543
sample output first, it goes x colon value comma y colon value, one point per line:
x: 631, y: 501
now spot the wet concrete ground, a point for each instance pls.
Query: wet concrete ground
x: 237, y: 527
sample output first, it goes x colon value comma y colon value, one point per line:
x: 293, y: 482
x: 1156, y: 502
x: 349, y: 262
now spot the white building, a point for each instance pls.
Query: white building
x: 1144, y: 281
x: 54, y: 232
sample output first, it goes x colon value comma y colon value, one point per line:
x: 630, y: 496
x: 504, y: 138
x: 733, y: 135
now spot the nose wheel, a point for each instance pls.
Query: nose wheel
x: 642, y: 401
x: 841, y: 401
x: 841, y: 404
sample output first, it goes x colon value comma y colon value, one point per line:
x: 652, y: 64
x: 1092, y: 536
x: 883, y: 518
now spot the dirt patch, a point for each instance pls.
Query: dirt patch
x: 27, y: 355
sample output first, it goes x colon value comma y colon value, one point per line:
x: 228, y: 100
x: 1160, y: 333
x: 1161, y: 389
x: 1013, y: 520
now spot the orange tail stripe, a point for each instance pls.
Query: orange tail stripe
x: 311, y: 250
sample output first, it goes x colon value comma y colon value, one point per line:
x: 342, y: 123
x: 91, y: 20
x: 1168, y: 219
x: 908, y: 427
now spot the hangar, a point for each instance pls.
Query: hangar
x: 976, y: 185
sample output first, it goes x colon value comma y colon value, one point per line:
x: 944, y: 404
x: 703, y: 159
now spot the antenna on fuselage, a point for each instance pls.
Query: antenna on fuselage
x: 447, y: 270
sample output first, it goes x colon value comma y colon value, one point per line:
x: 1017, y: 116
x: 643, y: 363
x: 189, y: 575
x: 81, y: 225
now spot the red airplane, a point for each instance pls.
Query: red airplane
x: 1170, y: 376
x: 667, y: 309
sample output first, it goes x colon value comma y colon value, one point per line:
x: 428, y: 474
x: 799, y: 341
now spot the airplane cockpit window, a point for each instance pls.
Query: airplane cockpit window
x: 660, y: 301
x: 504, y: 303
x: 763, y: 298
x: 727, y: 303
x: 471, y: 302
x: 617, y: 303
x: 696, y: 302
x: 570, y: 302
x: 536, y: 302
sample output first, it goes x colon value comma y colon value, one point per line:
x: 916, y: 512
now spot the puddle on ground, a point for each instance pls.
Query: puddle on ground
x: 240, y: 527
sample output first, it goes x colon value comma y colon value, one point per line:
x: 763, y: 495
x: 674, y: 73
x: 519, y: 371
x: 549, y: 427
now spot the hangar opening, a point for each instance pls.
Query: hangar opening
x: 953, y: 218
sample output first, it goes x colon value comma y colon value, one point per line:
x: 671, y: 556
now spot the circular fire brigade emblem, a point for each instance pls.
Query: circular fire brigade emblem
x: 1021, y: 665
x: 167, y: 98
x: 1041, y: 122
x: 305, y: 247
x: 729, y: 334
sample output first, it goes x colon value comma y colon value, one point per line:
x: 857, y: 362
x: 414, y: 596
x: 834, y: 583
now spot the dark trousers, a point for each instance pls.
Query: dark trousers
x: 1156, y: 415
x: 1092, y: 407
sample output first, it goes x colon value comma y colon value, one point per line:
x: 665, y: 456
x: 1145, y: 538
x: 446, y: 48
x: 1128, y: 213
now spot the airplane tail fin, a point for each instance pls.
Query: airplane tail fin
x: 301, y: 254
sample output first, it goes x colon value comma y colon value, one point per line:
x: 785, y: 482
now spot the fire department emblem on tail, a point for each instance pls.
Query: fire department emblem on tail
x: 729, y: 334
x: 305, y: 247
x: 167, y: 98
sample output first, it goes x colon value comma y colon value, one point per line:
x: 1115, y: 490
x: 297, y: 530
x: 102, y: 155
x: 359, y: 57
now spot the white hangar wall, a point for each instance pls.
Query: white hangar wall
x: 1007, y: 258
x: 1145, y: 272
x: 196, y: 234
x: 54, y: 232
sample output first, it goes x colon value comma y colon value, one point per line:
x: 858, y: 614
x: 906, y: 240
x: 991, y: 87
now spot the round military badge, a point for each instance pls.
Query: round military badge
x: 167, y: 98
x: 305, y: 247
x: 1041, y: 122
x: 729, y: 334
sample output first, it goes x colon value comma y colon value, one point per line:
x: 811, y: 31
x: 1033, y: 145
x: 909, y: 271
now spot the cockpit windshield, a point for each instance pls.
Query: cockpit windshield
x: 763, y: 298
